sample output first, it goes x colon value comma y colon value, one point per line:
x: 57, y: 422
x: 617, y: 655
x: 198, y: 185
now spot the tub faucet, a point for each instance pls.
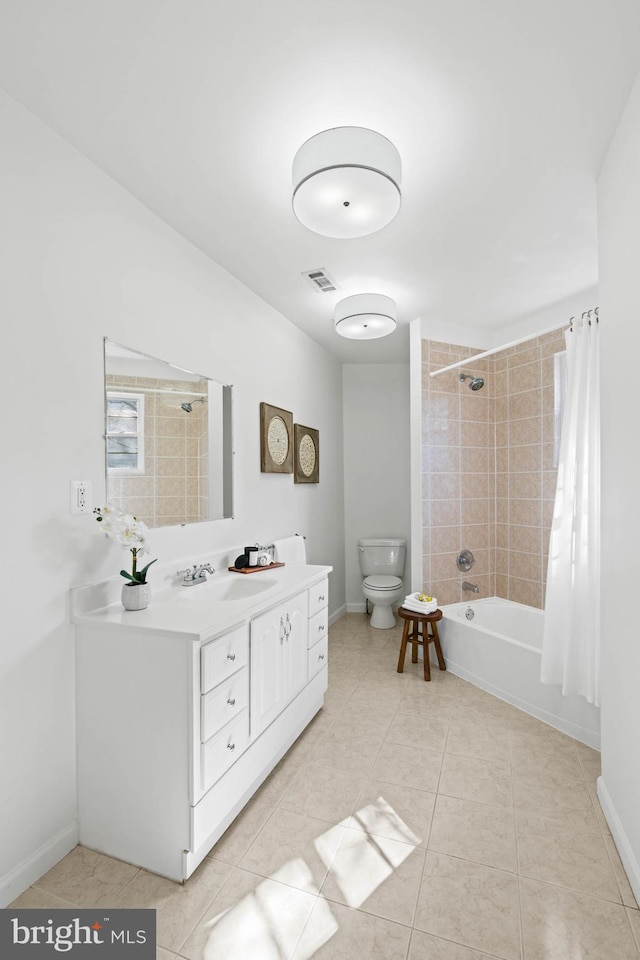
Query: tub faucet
x: 471, y: 586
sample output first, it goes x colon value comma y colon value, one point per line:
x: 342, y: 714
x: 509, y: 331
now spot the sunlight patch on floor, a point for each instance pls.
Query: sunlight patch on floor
x: 267, y: 923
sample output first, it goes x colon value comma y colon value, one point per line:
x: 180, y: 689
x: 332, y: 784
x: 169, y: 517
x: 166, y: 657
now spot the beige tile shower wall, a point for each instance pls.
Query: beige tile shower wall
x: 169, y: 491
x: 458, y: 474
x: 525, y: 472
x: 488, y: 473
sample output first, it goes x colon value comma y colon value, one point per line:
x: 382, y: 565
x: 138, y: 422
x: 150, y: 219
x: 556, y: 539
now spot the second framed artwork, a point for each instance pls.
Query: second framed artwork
x: 306, y: 454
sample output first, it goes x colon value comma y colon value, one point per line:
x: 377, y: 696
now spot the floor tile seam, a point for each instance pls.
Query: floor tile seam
x: 470, y: 859
x: 36, y: 886
x: 382, y: 837
x: 283, y: 883
x: 498, y: 806
x: 523, y: 950
x: 586, y: 833
x: 410, y: 743
x: 368, y: 913
x: 560, y: 775
x: 193, y: 928
x: 473, y: 756
x: 479, y: 954
x: 611, y: 854
x: 478, y: 863
x: 525, y: 875
x: 541, y: 814
x: 561, y: 886
x: 635, y: 937
x: 117, y: 889
x: 205, y: 911
x: 255, y: 835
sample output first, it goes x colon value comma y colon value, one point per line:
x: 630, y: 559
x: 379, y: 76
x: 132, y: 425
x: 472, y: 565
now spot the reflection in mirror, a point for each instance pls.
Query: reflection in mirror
x: 168, y: 440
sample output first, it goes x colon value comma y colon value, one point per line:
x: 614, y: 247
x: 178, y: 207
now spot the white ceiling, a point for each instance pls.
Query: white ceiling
x: 502, y: 111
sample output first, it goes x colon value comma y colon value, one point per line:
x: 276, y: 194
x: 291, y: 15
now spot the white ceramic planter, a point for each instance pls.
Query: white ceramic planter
x: 136, y: 596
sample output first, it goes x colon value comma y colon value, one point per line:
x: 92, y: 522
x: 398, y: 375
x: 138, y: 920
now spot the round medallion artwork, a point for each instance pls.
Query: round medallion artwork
x: 307, y: 455
x: 278, y: 440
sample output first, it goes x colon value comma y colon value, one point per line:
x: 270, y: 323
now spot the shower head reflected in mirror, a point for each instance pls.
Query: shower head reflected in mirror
x: 187, y: 406
x: 477, y: 383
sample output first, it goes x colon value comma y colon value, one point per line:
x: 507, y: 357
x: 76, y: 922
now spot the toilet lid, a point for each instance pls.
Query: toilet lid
x: 378, y: 582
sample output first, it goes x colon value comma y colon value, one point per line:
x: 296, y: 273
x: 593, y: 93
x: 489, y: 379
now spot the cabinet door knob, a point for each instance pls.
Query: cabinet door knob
x: 231, y: 703
x: 321, y: 656
x: 231, y: 746
x: 231, y: 656
x: 321, y: 628
x: 321, y: 597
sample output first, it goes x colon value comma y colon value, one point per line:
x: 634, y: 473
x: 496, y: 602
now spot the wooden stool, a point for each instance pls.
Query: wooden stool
x: 411, y: 633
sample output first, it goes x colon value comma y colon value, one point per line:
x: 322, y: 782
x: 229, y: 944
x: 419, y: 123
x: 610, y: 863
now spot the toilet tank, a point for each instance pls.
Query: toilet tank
x: 383, y: 556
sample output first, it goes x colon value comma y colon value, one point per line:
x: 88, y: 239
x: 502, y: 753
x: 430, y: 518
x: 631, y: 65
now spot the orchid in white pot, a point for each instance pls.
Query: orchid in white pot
x: 131, y: 533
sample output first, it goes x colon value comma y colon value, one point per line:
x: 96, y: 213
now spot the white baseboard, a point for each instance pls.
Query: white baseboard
x: 356, y: 608
x: 628, y: 857
x: 26, y: 873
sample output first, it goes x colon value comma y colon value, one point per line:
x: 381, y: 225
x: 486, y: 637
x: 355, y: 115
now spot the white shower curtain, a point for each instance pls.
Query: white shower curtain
x: 571, y: 634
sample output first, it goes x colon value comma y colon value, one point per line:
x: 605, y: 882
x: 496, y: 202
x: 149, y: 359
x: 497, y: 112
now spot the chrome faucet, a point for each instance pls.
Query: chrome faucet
x: 470, y: 586
x: 196, y: 575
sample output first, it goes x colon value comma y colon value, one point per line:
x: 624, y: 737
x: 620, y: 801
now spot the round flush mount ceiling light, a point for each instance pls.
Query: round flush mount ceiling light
x: 346, y: 182
x: 365, y: 316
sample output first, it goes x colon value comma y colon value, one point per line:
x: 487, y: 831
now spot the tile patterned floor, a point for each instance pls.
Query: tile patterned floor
x: 410, y: 821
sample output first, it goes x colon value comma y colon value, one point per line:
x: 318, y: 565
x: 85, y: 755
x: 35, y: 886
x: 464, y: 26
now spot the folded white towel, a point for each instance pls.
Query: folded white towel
x: 416, y: 597
x: 420, y: 606
x: 414, y: 608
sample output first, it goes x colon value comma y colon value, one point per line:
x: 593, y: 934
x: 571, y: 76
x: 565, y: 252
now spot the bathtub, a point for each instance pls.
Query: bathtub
x: 499, y: 648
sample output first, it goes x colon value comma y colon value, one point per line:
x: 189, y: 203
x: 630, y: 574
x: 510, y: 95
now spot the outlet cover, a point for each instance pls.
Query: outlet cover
x: 80, y: 497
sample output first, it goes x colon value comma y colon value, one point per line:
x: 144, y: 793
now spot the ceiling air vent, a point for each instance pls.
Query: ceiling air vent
x: 320, y: 280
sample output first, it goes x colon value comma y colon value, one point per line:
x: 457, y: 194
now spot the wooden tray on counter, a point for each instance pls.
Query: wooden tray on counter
x: 271, y: 566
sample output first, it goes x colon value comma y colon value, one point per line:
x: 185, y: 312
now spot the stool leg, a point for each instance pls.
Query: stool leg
x: 436, y: 643
x: 414, y: 638
x: 425, y: 651
x: 403, y: 646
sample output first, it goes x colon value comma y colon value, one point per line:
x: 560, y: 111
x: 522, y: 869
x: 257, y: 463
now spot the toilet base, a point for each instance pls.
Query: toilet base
x: 382, y: 616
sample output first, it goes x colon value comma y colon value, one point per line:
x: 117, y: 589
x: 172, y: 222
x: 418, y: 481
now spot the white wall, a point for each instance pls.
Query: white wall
x: 81, y: 260
x: 376, y: 462
x: 619, y: 216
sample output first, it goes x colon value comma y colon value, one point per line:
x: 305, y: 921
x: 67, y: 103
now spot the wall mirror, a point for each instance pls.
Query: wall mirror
x: 168, y: 440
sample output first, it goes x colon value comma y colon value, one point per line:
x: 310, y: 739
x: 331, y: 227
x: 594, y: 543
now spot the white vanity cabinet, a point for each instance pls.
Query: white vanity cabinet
x: 184, y: 708
x: 278, y: 660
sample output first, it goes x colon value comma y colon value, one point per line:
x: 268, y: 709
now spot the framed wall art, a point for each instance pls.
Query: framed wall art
x: 306, y: 454
x: 276, y: 439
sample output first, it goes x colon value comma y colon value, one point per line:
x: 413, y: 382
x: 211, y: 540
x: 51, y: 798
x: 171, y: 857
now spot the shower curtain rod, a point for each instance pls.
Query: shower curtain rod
x: 505, y: 346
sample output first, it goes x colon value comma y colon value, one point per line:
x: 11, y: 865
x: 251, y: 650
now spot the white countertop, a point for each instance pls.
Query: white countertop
x: 195, y: 611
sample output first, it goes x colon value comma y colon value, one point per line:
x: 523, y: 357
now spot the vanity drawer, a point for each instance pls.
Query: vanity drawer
x: 220, y: 751
x: 222, y: 657
x: 318, y: 597
x: 223, y: 703
x: 317, y: 627
x: 317, y: 656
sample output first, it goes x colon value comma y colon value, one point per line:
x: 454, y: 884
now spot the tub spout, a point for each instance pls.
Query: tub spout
x: 471, y: 586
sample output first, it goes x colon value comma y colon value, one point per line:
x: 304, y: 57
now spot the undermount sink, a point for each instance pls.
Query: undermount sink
x: 228, y: 588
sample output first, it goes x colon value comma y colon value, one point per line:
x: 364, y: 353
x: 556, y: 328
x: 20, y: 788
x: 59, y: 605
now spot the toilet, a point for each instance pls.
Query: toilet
x: 382, y: 566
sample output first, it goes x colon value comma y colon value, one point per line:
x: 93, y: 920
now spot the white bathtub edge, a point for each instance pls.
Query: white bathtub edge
x: 629, y: 862
x: 589, y: 737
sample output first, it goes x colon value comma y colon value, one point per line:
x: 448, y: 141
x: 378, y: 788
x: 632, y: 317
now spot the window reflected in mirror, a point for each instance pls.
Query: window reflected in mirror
x: 168, y: 453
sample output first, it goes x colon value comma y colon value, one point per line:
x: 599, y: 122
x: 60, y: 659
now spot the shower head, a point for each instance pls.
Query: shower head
x: 187, y: 406
x: 477, y: 383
